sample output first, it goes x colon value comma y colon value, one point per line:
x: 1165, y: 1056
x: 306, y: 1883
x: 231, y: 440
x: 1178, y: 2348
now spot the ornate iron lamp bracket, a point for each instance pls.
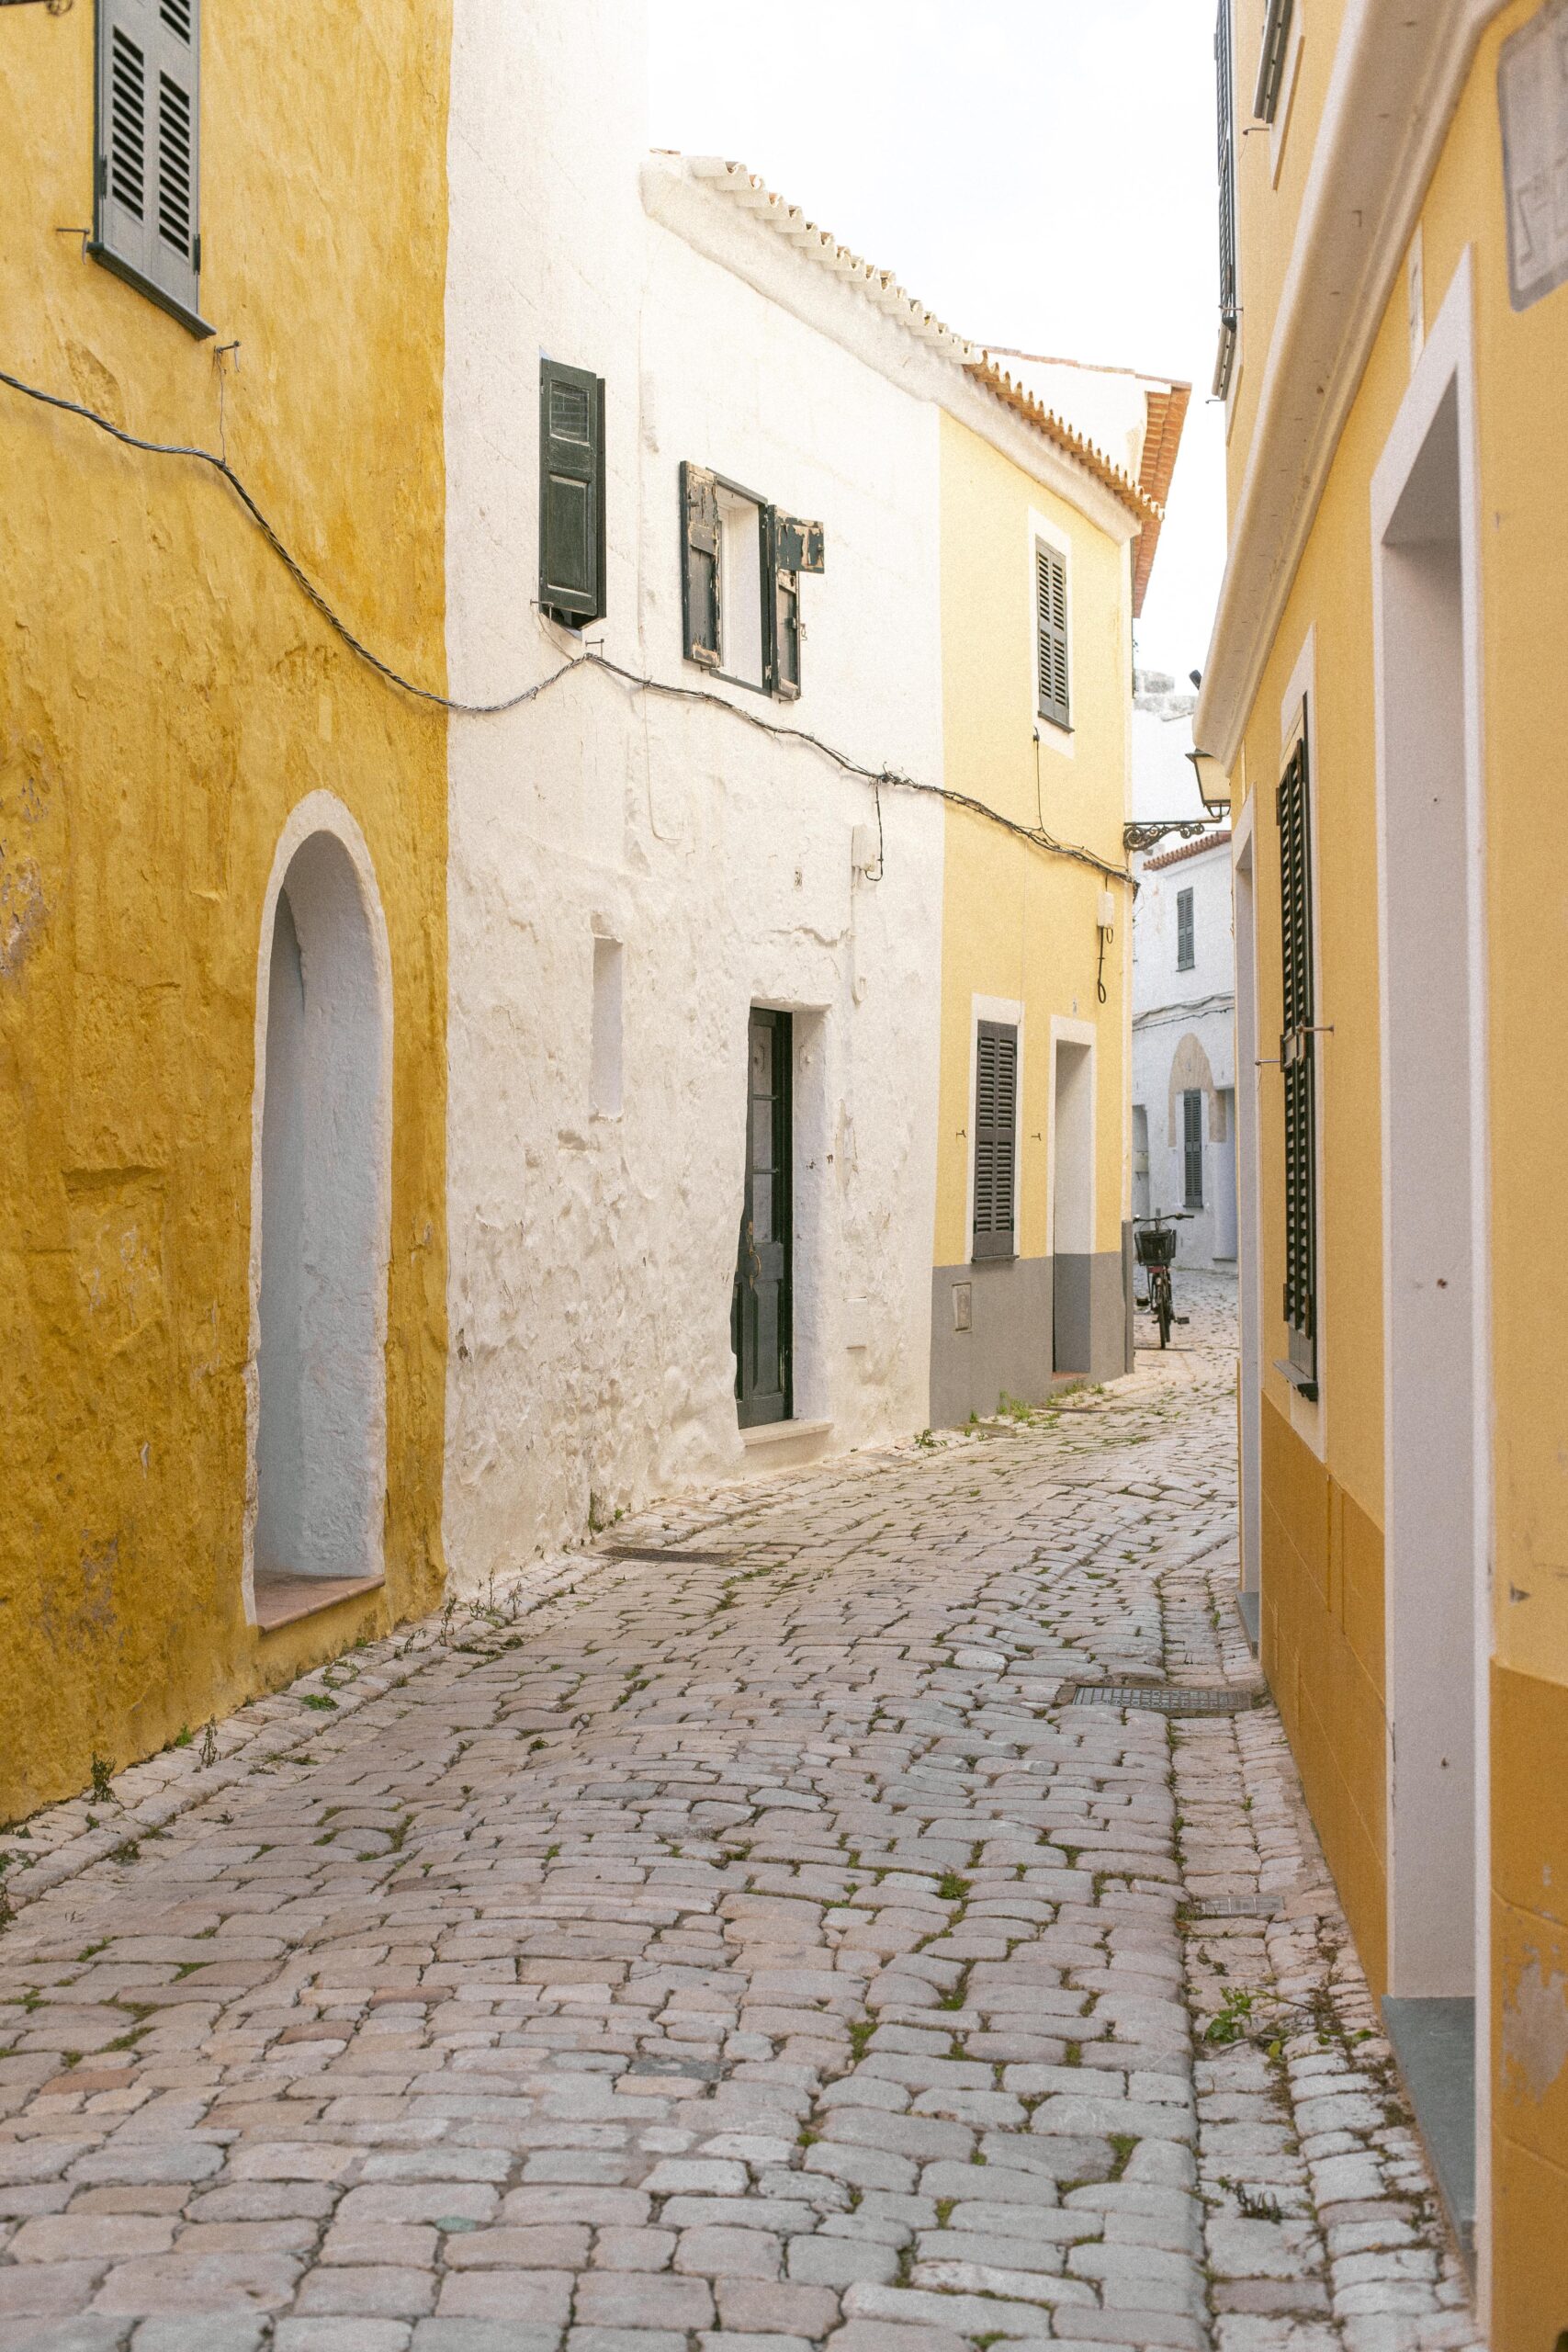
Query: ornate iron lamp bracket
x: 1143, y: 836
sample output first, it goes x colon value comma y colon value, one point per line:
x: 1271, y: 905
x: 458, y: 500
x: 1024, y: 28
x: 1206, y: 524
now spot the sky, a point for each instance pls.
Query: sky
x: 1039, y: 173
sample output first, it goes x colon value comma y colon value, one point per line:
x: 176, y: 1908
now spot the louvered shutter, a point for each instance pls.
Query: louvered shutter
x: 1050, y: 635
x: 792, y: 547
x: 571, y: 493
x: 146, y: 225
x: 1298, y: 1063
x: 699, y: 565
x: 1224, y: 87
x: 996, y: 1138
x: 1271, y: 60
x: 1185, y: 956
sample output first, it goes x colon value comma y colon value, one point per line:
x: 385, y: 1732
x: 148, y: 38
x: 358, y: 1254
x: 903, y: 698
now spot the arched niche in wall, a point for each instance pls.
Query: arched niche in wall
x: 320, y: 1223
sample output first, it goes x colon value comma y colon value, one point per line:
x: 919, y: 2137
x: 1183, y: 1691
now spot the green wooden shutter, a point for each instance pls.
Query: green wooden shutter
x: 1224, y: 87
x: 1298, y: 1063
x: 146, y: 226
x: 1186, y: 955
x: 571, y: 493
x: 996, y: 1138
x: 699, y: 565
x: 1050, y: 635
x: 1192, y: 1148
x: 793, y: 547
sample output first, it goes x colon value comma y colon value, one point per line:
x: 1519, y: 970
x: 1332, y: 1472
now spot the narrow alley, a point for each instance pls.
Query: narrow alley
x: 768, y: 1928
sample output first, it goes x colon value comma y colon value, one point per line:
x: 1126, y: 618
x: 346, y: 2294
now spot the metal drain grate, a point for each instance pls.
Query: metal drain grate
x: 1235, y: 1907
x: 641, y: 1552
x: 1160, y: 1699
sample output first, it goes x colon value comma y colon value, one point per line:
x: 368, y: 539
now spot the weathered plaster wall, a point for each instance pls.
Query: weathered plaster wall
x: 1184, y: 1036
x: 593, y: 1255
x: 167, y: 697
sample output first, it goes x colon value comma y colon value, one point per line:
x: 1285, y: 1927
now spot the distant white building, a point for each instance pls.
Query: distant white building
x: 1183, y: 994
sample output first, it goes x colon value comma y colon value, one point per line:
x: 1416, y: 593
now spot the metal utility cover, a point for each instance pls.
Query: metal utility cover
x: 1163, y: 1699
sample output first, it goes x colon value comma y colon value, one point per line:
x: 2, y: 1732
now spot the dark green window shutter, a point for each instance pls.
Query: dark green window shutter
x: 1185, y: 956
x: 1050, y: 635
x: 1224, y: 87
x: 1298, y: 1063
x: 145, y: 222
x: 1192, y: 1148
x: 571, y: 493
x: 996, y: 1138
x: 793, y: 547
x: 699, y: 565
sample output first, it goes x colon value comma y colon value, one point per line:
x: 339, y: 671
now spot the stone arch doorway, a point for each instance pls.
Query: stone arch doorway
x: 320, y: 1224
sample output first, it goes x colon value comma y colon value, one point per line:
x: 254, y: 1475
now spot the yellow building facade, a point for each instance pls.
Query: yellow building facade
x: 1380, y: 691
x: 1041, y: 573
x: 222, y: 911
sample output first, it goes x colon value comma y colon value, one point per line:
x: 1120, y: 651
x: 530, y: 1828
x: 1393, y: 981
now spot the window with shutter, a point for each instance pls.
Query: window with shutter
x: 741, y: 565
x: 1185, y: 950
x: 1192, y: 1148
x: 1050, y: 635
x: 699, y: 564
x: 996, y: 1138
x: 1225, y: 80
x: 1271, y: 60
x: 571, y: 493
x: 1298, y: 1064
x: 145, y: 225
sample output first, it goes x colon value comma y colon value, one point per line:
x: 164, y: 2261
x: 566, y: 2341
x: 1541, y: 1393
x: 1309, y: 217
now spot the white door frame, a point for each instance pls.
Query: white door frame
x: 1445, y: 369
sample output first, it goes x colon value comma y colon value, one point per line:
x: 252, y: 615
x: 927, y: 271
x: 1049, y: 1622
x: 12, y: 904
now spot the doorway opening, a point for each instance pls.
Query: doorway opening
x: 1434, y: 1367
x: 1221, y: 1136
x: 1072, y: 1204
x: 324, y: 1172
x: 761, y: 1313
x: 1139, y: 1160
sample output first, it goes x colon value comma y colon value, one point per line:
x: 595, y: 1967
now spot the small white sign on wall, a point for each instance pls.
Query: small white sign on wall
x: 1532, y: 98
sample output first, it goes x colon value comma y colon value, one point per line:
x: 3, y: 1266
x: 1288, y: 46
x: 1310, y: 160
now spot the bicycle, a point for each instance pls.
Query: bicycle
x: 1155, y: 1241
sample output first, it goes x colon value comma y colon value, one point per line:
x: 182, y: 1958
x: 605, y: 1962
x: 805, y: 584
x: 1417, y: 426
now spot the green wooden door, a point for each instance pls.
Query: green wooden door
x: 760, y: 1320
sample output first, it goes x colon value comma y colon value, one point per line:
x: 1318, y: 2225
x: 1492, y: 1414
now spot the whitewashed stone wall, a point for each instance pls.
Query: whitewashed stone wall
x: 592, y: 1254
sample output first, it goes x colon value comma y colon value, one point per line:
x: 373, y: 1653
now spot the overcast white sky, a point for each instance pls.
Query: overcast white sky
x: 1041, y: 173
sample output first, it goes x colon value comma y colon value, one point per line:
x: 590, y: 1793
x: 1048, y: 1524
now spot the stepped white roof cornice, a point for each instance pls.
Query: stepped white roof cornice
x: 729, y: 214
x: 1396, y: 79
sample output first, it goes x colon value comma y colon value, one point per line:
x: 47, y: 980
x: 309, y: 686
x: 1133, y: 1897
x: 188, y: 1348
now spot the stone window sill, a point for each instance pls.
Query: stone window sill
x: 283, y: 1599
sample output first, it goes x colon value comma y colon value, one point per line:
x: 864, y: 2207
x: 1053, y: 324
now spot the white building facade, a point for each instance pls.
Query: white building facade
x: 1183, y: 996
x: 692, y: 988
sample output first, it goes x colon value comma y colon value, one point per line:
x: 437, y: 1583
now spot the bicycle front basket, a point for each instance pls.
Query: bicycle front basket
x: 1155, y: 1244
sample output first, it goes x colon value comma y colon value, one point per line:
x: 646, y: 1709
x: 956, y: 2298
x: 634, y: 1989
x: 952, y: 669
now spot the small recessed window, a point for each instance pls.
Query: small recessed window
x: 604, y: 1086
x: 741, y: 561
x: 1185, y: 950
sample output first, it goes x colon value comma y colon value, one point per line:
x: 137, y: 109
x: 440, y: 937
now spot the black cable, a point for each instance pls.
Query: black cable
x: 874, y: 776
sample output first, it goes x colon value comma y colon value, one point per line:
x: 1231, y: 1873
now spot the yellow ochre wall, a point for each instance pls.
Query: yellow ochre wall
x: 167, y: 695
x: 1323, y: 1581
x: 1018, y: 923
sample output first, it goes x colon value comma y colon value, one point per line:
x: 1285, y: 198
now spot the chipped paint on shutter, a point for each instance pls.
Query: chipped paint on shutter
x: 700, y: 584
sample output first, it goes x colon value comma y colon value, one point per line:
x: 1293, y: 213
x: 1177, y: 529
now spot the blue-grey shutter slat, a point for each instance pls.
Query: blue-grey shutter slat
x: 147, y: 222
x: 996, y: 1138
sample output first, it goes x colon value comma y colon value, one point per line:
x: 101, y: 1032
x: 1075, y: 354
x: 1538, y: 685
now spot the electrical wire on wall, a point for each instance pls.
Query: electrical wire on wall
x: 877, y: 777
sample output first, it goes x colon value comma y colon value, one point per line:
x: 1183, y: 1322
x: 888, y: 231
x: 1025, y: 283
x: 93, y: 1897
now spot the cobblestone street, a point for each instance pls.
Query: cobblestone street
x: 744, y: 1935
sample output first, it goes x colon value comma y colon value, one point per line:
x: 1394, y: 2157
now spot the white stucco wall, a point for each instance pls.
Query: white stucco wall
x: 1184, y: 1037
x: 593, y: 1256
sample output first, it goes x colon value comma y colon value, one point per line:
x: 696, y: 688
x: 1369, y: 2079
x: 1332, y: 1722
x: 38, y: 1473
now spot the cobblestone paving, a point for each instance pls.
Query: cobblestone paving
x: 744, y: 1948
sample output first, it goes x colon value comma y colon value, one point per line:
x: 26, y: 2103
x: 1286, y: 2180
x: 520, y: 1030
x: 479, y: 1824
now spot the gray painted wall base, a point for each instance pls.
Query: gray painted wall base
x: 1030, y: 1320
x: 1434, y: 2041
